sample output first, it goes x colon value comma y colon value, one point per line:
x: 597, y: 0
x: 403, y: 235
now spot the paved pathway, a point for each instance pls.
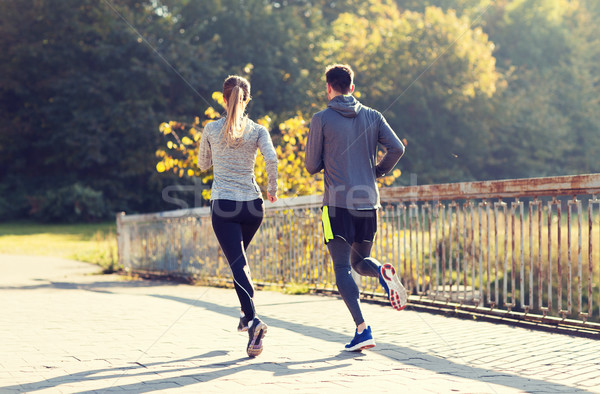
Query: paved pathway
x: 65, y: 329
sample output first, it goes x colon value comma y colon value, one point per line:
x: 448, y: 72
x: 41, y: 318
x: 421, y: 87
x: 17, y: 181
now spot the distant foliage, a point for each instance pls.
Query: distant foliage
x: 480, y: 89
x: 430, y: 74
x: 294, y: 180
x: 74, y: 203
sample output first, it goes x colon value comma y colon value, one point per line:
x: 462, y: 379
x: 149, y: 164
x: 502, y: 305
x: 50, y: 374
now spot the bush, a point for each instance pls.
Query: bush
x: 74, y: 203
x: 13, y: 203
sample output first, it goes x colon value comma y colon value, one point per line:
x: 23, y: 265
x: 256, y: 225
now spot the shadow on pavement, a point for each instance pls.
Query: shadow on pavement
x: 216, y: 370
x: 92, y: 286
x: 198, y: 372
x: 404, y: 355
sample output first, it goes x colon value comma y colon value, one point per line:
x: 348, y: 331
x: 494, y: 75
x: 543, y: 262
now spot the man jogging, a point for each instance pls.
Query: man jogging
x: 343, y: 141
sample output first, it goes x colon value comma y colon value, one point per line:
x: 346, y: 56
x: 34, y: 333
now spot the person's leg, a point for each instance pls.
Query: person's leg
x: 366, y: 223
x: 229, y: 235
x: 361, y: 262
x: 339, y: 231
x: 252, y: 218
x: 340, y: 254
x: 339, y: 250
x: 249, y: 219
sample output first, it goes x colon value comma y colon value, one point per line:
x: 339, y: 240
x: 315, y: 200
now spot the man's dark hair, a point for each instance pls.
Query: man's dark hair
x: 340, y: 77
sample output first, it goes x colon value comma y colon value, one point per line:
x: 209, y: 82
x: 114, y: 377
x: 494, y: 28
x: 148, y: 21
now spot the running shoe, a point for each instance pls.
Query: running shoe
x: 361, y: 341
x: 256, y: 332
x: 392, y: 286
x: 243, y: 324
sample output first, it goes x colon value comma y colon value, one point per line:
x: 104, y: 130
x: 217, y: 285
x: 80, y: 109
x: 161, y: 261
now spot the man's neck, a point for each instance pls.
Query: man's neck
x: 337, y: 94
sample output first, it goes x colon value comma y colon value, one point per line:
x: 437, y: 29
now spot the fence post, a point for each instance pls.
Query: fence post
x: 122, y: 241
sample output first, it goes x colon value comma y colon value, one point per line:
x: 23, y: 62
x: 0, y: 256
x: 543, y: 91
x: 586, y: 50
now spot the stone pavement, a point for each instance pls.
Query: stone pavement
x: 65, y: 329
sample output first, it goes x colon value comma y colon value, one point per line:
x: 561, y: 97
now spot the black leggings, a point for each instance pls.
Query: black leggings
x: 235, y: 223
x: 356, y: 255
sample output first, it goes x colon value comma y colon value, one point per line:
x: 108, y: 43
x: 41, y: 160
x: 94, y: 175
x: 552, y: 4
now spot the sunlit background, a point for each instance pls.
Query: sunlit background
x: 478, y: 90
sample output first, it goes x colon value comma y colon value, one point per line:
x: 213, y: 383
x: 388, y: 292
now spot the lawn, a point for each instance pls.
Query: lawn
x: 93, y: 243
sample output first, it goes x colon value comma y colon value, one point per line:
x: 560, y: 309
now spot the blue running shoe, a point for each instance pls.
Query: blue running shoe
x: 256, y: 332
x: 361, y: 341
x: 392, y: 286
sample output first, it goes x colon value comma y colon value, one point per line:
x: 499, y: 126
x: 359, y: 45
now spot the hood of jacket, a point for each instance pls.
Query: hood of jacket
x: 346, y: 105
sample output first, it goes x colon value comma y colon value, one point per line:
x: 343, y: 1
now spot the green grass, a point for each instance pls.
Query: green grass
x: 290, y: 288
x: 93, y: 243
x: 296, y: 288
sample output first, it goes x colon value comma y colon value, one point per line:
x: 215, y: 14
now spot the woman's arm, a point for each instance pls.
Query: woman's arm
x: 265, y: 144
x: 204, y: 152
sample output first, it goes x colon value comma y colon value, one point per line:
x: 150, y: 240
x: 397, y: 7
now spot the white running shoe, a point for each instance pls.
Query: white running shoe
x: 393, y: 287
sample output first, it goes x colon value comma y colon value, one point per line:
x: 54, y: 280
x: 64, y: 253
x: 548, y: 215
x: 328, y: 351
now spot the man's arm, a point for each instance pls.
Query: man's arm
x: 313, y: 156
x: 394, y: 148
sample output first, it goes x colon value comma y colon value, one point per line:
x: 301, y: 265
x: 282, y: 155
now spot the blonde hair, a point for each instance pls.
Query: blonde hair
x: 236, y: 90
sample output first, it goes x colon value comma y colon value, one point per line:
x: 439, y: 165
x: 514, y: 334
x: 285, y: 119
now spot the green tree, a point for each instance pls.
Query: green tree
x: 480, y: 89
x: 430, y: 74
x: 550, y: 111
x: 271, y: 43
x: 470, y: 8
x: 79, y: 100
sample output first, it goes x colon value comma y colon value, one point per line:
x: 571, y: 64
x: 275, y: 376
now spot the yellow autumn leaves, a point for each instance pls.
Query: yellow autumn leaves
x: 294, y: 180
x: 180, y: 155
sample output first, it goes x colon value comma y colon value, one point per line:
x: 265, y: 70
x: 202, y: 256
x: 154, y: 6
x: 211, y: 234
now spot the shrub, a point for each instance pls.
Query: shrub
x: 74, y: 203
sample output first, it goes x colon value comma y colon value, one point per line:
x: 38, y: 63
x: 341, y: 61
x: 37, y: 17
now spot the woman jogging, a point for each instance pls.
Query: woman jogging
x: 230, y: 145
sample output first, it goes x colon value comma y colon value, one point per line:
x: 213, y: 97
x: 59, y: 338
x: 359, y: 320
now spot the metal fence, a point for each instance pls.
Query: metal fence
x: 525, y: 248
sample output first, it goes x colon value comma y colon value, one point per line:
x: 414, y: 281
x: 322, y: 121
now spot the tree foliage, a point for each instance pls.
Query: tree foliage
x: 78, y: 101
x: 430, y: 75
x: 480, y: 89
x: 549, y: 122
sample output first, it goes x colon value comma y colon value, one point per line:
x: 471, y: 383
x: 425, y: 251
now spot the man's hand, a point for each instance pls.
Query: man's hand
x: 272, y: 198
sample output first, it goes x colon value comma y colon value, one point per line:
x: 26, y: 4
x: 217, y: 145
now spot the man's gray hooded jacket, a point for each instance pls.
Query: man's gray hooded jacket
x: 342, y: 140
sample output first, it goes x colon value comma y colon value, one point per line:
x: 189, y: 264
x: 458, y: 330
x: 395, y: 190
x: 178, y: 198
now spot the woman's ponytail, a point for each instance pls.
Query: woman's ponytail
x: 236, y: 90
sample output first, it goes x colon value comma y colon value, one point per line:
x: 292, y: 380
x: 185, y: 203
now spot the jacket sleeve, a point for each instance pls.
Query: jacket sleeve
x: 204, y: 152
x: 265, y: 144
x: 393, y: 146
x: 313, y: 155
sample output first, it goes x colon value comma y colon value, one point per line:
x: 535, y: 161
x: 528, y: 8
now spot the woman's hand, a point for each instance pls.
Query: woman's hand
x: 272, y: 198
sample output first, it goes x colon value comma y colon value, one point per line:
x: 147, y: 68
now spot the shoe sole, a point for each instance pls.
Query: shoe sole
x: 243, y: 329
x: 397, y: 292
x: 255, y: 346
x: 368, y: 344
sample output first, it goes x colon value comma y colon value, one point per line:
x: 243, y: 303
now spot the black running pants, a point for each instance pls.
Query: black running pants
x: 235, y: 223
